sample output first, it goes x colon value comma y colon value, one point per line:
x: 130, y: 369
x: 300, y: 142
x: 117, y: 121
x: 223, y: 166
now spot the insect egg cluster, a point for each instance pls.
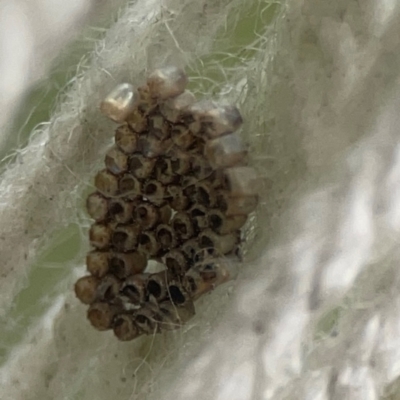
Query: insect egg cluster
x: 175, y: 189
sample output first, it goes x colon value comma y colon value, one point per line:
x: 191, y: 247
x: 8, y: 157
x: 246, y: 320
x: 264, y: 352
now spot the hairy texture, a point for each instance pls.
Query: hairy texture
x: 320, y: 97
x: 40, y: 191
x: 32, y: 34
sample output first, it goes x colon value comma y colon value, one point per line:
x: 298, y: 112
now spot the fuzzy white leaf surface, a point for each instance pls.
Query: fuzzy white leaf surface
x: 314, y: 313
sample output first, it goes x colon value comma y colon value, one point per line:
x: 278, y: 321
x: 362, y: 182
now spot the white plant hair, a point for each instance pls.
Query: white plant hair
x: 314, y: 312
